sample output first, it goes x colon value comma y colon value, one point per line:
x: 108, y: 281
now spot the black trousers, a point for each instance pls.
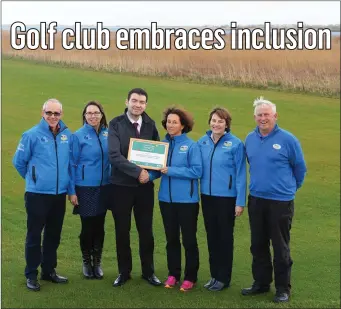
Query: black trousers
x: 44, y: 212
x: 140, y: 200
x: 184, y: 217
x: 271, y: 220
x: 219, y: 218
x: 92, y: 233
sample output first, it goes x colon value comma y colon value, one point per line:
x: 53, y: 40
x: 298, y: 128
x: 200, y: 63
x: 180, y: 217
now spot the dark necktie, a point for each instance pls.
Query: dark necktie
x: 137, y: 133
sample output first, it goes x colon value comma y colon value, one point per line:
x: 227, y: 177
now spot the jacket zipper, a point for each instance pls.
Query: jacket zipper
x: 56, y: 150
x: 192, y: 180
x: 169, y: 179
x: 102, y: 155
x: 83, y: 172
x: 230, y: 183
x: 215, y: 146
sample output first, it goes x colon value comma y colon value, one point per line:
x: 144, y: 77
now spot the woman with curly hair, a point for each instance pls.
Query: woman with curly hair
x: 179, y: 197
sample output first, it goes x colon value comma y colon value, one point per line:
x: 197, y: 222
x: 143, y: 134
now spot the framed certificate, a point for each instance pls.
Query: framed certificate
x: 148, y: 154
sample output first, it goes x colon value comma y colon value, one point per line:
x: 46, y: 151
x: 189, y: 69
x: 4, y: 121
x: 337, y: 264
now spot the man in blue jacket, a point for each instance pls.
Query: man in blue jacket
x: 42, y: 159
x: 277, y: 171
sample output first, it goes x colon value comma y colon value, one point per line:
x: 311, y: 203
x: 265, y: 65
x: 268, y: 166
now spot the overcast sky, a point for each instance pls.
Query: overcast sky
x: 180, y: 13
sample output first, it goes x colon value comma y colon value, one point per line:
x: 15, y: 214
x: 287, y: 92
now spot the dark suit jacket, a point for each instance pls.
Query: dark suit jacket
x: 121, y: 130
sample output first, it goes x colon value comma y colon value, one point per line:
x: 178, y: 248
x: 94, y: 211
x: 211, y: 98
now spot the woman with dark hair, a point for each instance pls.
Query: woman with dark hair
x: 179, y: 197
x: 223, y: 194
x: 90, y: 176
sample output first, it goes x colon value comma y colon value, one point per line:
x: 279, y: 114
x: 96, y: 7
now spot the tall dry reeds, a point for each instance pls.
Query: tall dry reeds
x: 313, y: 71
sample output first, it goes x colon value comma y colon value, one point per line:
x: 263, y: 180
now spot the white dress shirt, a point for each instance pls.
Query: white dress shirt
x: 139, y: 121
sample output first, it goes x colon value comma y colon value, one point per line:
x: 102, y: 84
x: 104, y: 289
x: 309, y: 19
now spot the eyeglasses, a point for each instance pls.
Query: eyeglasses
x: 56, y: 114
x: 96, y: 114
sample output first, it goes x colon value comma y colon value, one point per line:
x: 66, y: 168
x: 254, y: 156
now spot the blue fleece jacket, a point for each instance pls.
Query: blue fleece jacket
x: 180, y: 184
x: 90, y: 160
x: 277, y: 166
x: 42, y: 159
x: 224, y: 167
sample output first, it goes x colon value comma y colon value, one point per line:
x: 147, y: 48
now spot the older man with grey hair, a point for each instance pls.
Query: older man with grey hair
x: 42, y: 159
x: 277, y: 171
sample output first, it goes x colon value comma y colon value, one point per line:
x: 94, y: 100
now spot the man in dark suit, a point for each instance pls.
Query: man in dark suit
x: 131, y: 188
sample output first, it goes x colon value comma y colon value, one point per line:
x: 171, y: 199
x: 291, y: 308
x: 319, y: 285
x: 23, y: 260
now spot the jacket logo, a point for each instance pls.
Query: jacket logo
x: 63, y: 138
x: 276, y: 146
x: 21, y: 147
x: 183, y: 148
x: 44, y: 139
x: 87, y: 137
x: 228, y: 144
x: 105, y: 134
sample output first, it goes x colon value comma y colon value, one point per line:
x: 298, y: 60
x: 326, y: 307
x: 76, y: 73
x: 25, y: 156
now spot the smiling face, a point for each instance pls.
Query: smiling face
x: 265, y: 118
x: 136, y: 105
x: 52, y: 113
x: 93, y: 116
x: 218, y: 125
x: 173, y: 125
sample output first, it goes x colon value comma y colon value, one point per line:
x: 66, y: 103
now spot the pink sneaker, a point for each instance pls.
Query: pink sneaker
x: 171, y: 282
x: 186, y: 286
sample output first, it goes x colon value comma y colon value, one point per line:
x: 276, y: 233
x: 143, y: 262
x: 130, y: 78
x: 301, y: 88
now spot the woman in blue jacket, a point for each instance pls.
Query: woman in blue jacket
x: 90, y: 175
x: 179, y: 197
x: 223, y: 193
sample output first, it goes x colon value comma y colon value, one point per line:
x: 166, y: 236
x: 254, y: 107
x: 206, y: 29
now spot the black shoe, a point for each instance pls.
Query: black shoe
x: 121, y: 279
x: 53, y: 277
x: 97, y: 257
x: 87, y: 270
x: 98, y: 272
x: 281, y: 297
x: 256, y: 289
x: 218, y: 286
x: 33, y: 284
x: 87, y: 267
x: 210, y: 283
x: 153, y: 280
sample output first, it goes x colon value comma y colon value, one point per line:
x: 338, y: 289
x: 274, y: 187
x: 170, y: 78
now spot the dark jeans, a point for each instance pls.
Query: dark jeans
x: 219, y: 217
x: 184, y: 217
x: 140, y: 200
x: 92, y: 233
x: 271, y: 220
x: 44, y: 211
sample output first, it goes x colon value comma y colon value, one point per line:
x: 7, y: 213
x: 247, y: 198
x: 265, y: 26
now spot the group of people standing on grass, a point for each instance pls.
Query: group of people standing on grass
x: 91, y: 166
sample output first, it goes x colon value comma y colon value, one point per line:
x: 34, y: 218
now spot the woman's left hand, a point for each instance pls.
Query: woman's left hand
x: 164, y: 170
x: 73, y: 199
x: 238, y: 211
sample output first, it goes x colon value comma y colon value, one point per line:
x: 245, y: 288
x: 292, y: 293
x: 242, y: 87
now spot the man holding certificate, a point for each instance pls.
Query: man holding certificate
x: 132, y: 189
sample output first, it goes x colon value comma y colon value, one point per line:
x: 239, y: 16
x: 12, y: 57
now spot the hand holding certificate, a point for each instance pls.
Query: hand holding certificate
x: 148, y: 154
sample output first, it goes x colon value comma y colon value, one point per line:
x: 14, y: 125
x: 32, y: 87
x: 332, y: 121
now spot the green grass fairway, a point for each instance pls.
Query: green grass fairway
x: 316, y: 227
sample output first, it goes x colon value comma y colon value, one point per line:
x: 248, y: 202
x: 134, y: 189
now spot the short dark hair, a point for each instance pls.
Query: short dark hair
x: 223, y: 113
x: 139, y: 91
x: 186, y: 119
x: 103, y: 122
